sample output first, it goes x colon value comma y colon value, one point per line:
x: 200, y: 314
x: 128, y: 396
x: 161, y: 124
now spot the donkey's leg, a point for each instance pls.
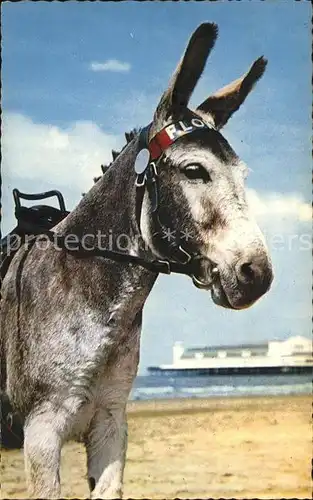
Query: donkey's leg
x: 42, y: 450
x: 106, y: 445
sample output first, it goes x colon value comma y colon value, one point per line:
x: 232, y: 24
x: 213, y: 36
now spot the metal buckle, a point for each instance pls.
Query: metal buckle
x: 202, y: 283
x: 140, y: 179
x: 153, y: 165
x: 186, y: 253
x: 166, y: 263
x: 197, y: 280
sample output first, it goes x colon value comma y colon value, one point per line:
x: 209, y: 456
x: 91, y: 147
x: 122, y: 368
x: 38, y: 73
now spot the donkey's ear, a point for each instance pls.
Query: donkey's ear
x: 175, y: 99
x: 221, y: 105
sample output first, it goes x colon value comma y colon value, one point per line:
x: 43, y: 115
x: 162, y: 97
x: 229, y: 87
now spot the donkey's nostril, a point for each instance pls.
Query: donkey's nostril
x: 255, y: 273
x: 246, y: 271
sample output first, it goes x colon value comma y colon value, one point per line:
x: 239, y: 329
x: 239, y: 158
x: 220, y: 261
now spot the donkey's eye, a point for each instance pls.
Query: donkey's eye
x: 196, y: 172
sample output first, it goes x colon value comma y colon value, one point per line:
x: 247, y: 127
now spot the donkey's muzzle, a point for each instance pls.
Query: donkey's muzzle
x: 254, y: 276
x: 241, y: 285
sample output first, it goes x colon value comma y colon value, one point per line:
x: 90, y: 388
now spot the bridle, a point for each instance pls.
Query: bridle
x: 148, y: 180
x: 181, y: 261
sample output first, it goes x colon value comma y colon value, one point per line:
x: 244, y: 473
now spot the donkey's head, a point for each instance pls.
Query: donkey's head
x: 201, y: 184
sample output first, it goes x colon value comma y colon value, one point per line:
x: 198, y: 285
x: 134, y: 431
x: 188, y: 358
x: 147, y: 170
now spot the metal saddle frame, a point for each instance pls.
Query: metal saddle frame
x: 28, y: 218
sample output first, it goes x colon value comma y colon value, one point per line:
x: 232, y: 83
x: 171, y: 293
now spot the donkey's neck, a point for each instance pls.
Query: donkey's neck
x: 109, y: 206
x: 108, y: 211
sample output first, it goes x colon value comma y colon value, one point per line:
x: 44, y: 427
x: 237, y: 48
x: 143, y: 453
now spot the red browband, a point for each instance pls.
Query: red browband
x: 163, y: 139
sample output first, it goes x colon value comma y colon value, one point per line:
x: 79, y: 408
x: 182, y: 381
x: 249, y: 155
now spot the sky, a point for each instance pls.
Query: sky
x: 77, y: 75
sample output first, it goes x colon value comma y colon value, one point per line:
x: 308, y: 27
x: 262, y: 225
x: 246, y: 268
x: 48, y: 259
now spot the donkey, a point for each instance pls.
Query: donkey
x: 71, y: 325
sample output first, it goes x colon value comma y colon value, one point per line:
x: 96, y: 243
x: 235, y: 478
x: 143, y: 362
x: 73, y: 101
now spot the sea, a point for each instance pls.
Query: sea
x: 168, y: 387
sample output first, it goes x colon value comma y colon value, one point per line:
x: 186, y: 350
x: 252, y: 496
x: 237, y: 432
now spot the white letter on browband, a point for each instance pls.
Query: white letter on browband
x: 197, y: 123
x: 171, y: 131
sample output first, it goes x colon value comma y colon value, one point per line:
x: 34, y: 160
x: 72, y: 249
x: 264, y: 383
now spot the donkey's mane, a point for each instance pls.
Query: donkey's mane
x: 129, y: 136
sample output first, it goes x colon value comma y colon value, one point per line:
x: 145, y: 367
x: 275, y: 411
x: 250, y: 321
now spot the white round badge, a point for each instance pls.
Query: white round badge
x: 142, y: 161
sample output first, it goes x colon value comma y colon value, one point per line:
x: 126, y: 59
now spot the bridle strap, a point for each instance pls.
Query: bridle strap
x: 150, y: 182
x: 155, y: 265
x: 149, y: 179
x: 169, y: 134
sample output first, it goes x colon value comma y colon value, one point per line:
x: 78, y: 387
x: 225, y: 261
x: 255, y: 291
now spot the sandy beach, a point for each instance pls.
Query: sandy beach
x: 219, y: 448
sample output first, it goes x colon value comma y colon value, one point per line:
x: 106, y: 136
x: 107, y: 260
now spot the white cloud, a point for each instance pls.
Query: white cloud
x: 67, y: 156
x: 111, y: 65
x: 278, y: 205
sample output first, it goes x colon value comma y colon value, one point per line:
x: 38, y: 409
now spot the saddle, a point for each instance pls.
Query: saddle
x: 30, y: 221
